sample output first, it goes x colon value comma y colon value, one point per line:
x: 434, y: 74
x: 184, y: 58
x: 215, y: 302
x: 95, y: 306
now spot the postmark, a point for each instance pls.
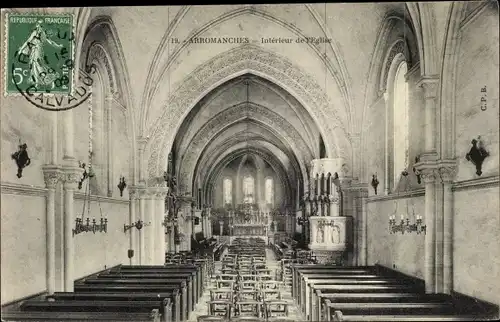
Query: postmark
x: 40, y: 66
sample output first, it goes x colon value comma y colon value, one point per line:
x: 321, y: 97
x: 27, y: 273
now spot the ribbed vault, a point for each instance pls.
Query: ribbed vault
x: 246, y: 117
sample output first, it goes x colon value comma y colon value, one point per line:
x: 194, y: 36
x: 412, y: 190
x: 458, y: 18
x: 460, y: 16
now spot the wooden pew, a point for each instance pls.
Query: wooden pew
x: 298, y: 275
x: 197, y: 270
x: 139, y: 288
x: 153, y: 316
x: 315, y: 268
x: 352, y: 288
x: 317, y: 313
x: 117, y: 307
x: 174, y: 298
x: 148, y: 282
x: 198, y: 289
x: 148, y: 278
x: 394, y: 309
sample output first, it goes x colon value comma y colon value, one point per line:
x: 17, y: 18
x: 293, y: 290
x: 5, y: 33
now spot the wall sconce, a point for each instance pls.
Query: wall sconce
x: 122, y: 185
x: 138, y: 224
x: 22, y: 159
x: 477, y: 154
x: 375, y: 182
x: 80, y: 227
x: 406, y: 227
x: 417, y: 172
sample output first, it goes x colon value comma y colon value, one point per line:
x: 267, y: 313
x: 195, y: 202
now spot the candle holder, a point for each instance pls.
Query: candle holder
x: 22, y: 159
x: 375, y: 182
x: 405, y: 226
x: 122, y: 185
x: 477, y: 154
x: 138, y: 224
x: 93, y: 226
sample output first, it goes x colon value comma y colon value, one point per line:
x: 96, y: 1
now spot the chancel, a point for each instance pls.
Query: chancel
x: 256, y: 162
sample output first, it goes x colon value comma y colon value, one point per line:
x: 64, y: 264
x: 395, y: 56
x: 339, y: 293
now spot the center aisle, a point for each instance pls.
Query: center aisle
x: 202, y: 308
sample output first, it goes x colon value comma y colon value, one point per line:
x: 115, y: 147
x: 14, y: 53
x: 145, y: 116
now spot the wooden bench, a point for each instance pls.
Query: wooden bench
x: 153, y: 316
x: 141, y: 270
x: 317, y: 307
x: 298, y: 270
x: 339, y: 316
x: 118, y: 307
x: 191, y: 275
x: 188, y: 297
x: 140, y: 288
x: 394, y: 309
x: 339, y: 288
x: 173, y: 296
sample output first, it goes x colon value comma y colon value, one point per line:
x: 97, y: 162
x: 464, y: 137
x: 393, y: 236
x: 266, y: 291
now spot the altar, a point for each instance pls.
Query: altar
x: 247, y: 220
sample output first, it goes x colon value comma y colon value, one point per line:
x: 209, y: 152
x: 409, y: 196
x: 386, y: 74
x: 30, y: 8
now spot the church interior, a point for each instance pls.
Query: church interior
x: 285, y: 162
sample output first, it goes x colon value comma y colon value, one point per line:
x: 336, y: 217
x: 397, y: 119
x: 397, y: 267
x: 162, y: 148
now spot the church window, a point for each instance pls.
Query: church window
x: 269, y: 190
x: 400, y: 122
x: 248, y: 189
x: 228, y: 191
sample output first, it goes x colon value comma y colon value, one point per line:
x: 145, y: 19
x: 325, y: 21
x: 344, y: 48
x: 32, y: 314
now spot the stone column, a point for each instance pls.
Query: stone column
x: 363, y: 252
x: 427, y: 166
x: 133, y: 195
x: 186, y: 221
x: 429, y: 86
x: 160, y: 248
x: 71, y: 178
x: 210, y: 232
x: 152, y: 229
x: 52, y: 175
x: 109, y: 143
x: 447, y: 174
x: 142, y: 216
x: 388, y: 151
x: 141, y: 146
x: 429, y: 179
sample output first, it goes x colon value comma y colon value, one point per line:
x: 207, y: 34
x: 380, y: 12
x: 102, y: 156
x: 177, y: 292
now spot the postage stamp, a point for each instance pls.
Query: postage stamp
x: 39, y: 60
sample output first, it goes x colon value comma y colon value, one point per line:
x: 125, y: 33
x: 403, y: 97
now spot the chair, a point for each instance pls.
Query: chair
x: 220, y: 308
x: 276, y: 308
x: 248, y: 308
x: 211, y: 318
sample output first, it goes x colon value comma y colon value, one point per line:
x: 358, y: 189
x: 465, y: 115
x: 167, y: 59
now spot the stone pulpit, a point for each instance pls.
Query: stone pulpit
x: 328, y: 230
x: 329, y: 237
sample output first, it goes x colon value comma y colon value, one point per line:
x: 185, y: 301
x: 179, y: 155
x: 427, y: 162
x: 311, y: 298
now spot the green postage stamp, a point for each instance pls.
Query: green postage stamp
x: 39, y: 54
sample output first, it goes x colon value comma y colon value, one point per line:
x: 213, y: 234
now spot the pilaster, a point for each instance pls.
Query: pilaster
x: 52, y: 175
x: 109, y: 143
x: 447, y: 172
x: 429, y: 177
x: 71, y: 177
x: 134, y: 194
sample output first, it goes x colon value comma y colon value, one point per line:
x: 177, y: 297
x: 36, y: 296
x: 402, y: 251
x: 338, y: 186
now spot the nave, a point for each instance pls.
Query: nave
x: 249, y: 282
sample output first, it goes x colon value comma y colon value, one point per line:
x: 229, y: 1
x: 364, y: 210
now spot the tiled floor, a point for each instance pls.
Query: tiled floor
x: 202, y: 309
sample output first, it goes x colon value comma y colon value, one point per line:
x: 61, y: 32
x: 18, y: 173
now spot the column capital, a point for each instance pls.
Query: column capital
x: 447, y: 170
x: 52, y: 174
x: 160, y: 192
x: 71, y: 177
x: 429, y: 175
x: 430, y: 85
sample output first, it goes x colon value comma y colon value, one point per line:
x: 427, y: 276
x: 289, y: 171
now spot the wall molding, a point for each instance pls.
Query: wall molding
x: 22, y: 189
x: 477, y: 183
x: 419, y: 192
x: 83, y: 196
